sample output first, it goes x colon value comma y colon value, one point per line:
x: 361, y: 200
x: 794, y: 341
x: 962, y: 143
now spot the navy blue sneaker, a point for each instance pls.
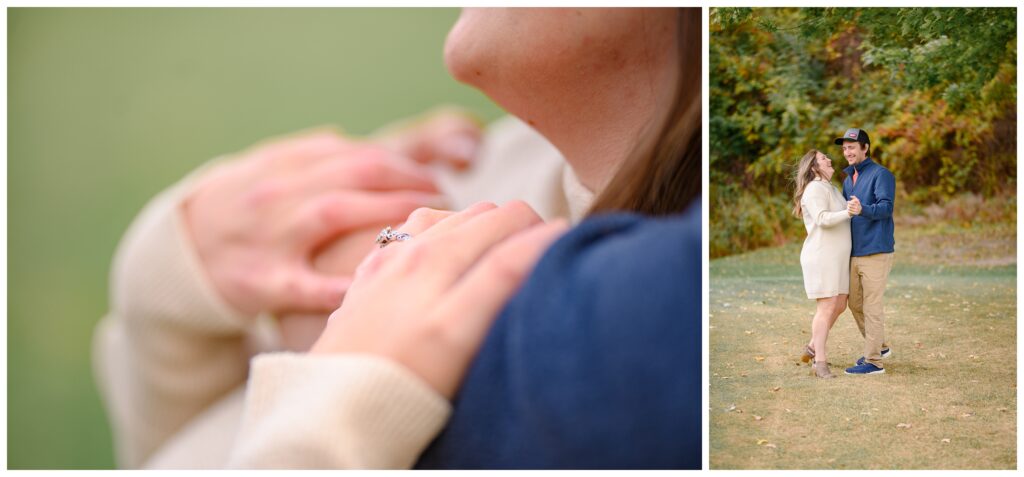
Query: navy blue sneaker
x: 886, y: 352
x: 866, y: 368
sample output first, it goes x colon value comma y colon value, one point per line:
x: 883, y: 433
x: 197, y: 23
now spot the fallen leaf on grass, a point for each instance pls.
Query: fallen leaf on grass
x: 945, y: 441
x: 757, y: 418
x: 903, y: 425
x: 759, y: 358
x: 1003, y: 409
x: 770, y: 445
x: 967, y: 414
x: 776, y: 389
x: 731, y: 408
x: 749, y: 332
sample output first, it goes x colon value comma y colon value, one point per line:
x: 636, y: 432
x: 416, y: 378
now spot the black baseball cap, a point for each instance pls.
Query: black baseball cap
x: 853, y: 134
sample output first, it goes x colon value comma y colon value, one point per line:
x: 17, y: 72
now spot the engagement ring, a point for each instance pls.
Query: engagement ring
x: 386, y: 236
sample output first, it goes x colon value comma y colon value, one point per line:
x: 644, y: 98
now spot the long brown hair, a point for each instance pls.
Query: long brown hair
x: 665, y: 178
x: 806, y: 171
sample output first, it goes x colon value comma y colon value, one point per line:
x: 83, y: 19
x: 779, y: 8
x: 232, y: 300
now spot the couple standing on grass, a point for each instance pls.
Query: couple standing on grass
x: 849, y: 248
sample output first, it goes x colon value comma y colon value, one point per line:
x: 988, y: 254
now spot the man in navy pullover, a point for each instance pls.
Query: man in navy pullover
x: 871, y: 190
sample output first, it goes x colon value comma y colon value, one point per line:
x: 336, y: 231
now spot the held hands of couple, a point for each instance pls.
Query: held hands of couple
x: 258, y: 221
x: 853, y: 206
x: 427, y: 303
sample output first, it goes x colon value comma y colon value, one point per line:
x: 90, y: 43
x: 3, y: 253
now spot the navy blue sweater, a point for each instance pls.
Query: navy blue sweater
x: 872, y: 230
x: 595, y: 362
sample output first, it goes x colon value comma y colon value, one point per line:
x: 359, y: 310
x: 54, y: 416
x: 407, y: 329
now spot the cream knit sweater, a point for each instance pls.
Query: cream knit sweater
x: 172, y: 359
x: 825, y: 255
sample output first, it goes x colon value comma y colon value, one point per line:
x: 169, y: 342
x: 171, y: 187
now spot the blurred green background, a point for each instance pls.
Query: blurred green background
x: 106, y: 107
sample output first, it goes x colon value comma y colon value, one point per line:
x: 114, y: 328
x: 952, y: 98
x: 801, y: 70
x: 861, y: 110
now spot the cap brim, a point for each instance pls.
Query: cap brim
x: 840, y: 140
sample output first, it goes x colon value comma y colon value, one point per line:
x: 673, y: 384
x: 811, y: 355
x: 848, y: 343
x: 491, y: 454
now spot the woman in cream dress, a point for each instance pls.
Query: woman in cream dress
x: 825, y: 257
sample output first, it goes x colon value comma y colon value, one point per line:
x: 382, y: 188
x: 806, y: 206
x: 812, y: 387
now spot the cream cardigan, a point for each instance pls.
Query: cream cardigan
x: 172, y: 359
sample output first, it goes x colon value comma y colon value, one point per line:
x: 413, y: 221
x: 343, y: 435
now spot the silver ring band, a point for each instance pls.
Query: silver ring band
x: 387, y: 236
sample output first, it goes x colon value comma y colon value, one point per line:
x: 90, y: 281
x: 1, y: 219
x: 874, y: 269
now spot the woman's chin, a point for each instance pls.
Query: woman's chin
x: 458, y: 55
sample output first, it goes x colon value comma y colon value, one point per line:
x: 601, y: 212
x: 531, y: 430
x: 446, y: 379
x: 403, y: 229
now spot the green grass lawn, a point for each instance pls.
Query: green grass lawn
x: 947, y: 400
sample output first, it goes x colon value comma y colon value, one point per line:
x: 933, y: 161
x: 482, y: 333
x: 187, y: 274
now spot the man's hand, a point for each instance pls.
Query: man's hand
x: 853, y: 207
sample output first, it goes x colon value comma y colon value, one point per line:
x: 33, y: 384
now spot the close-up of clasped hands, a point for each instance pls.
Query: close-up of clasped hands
x: 439, y: 293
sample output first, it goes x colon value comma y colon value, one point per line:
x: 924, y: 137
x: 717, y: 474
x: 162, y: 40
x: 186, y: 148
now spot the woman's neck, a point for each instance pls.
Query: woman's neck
x: 608, y: 128
x: 602, y: 110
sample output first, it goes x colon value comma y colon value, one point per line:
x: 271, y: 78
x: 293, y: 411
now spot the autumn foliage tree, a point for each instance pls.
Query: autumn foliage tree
x: 934, y: 87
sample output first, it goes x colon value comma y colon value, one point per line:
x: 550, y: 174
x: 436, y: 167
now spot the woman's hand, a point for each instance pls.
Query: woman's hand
x: 444, y: 135
x: 258, y: 221
x: 428, y: 302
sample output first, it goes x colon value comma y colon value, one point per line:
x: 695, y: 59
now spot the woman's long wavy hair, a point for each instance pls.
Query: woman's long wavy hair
x: 666, y: 177
x: 806, y: 171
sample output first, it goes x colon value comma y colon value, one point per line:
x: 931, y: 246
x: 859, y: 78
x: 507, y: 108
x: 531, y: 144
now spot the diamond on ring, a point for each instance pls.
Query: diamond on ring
x: 386, y: 236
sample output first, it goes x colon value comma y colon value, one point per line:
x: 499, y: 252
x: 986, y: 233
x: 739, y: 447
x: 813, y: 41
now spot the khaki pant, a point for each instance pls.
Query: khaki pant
x: 868, y: 275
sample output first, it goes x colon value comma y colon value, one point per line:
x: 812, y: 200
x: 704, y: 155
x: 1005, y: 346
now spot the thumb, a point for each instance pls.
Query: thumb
x: 447, y: 136
x: 458, y: 149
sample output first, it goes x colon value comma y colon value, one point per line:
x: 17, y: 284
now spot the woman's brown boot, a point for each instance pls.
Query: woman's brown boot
x: 820, y: 369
